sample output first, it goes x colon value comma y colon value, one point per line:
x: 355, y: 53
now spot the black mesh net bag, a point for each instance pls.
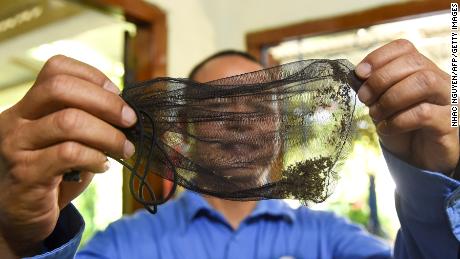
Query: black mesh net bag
x: 280, y: 132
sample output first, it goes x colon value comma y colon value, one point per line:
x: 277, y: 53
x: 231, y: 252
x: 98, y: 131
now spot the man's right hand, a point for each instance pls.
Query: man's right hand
x: 65, y: 122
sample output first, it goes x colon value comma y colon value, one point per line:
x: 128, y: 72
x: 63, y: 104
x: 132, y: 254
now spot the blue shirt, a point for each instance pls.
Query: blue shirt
x: 428, y: 206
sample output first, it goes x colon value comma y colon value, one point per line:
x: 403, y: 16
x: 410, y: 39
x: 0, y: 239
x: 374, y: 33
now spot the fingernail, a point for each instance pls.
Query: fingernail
x: 382, y: 127
x: 374, y: 112
x: 128, y: 115
x: 128, y: 149
x: 364, y: 94
x: 106, y: 165
x: 363, y: 70
x: 111, y: 87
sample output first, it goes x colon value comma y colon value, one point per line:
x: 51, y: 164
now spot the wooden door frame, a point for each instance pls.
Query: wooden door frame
x: 145, y: 58
x: 257, y: 41
x: 151, y: 37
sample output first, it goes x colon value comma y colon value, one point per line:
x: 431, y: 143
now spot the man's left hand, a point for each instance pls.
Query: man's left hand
x: 409, y: 100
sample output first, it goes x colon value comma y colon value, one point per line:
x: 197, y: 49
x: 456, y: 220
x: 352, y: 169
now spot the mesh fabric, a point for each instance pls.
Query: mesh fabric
x: 280, y: 132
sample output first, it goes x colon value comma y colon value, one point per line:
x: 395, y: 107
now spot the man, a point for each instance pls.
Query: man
x: 242, y: 150
x: 65, y: 120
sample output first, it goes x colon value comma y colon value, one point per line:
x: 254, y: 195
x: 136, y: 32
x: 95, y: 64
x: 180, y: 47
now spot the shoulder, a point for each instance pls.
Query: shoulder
x: 135, y: 234
x: 341, y: 235
x: 328, y: 224
x: 307, y: 216
x: 143, y: 224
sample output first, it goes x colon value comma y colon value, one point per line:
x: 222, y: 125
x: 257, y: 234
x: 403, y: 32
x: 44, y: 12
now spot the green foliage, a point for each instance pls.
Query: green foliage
x: 364, y: 130
x: 356, y: 212
x: 85, y: 204
x: 364, y: 135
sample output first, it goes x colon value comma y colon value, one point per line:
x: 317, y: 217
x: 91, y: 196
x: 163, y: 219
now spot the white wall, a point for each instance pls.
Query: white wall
x: 197, y: 28
x: 191, y: 34
x: 243, y: 16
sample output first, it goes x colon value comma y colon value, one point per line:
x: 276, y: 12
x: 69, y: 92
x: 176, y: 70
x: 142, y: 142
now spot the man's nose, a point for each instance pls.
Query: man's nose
x: 241, y: 107
x: 241, y: 122
x: 239, y: 126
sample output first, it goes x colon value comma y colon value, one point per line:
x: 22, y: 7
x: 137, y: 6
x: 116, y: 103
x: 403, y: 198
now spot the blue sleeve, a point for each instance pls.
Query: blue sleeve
x: 104, y: 244
x: 63, y: 242
x: 428, y: 207
x: 130, y: 237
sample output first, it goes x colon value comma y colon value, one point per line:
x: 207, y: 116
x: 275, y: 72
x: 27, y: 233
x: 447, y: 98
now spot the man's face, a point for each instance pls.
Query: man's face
x: 240, y: 150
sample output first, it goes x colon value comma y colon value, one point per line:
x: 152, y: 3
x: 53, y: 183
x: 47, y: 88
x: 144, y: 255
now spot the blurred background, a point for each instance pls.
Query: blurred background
x: 138, y: 40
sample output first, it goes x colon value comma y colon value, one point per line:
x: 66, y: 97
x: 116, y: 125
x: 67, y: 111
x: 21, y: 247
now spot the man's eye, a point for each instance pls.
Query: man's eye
x: 264, y: 106
x: 217, y: 103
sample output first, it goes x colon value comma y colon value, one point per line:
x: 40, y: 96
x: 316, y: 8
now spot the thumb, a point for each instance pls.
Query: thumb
x: 70, y: 190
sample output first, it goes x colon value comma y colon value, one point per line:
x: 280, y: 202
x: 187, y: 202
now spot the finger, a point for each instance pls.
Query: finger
x: 383, y: 55
x: 63, y: 91
x: 424, y: 115
x: 74, y: 125
x: 422, y: 86
x: 65, y: 157
x: 70, y: 190
x: 61, y: 64
x: 392, y: 72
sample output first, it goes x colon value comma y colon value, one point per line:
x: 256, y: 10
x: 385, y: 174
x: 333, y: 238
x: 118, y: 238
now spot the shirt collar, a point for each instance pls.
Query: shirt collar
x: 196, y: 205
x: 273, y: 208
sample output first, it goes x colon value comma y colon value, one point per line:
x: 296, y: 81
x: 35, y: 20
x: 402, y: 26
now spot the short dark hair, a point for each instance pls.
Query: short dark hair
x: 223, y: 53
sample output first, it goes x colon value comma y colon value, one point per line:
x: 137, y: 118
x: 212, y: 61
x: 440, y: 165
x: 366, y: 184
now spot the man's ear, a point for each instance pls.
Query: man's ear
x: 182, y: 125
x: 185, y: 129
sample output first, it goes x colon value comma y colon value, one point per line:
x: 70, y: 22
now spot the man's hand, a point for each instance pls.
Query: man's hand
x: 409, y: 100
x: 64, y: 122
